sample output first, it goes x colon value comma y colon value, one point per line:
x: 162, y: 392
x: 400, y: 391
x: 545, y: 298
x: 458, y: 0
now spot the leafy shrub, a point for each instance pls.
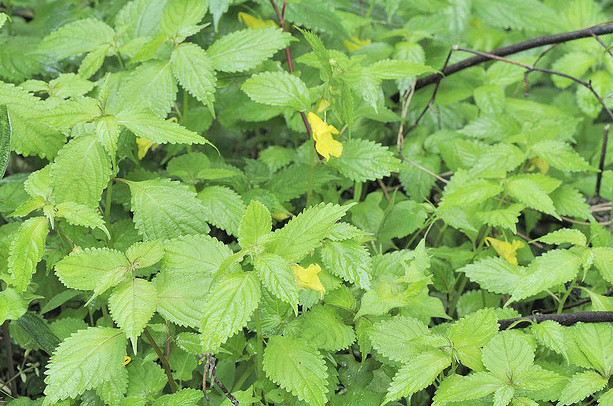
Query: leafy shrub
x: 262, y: 201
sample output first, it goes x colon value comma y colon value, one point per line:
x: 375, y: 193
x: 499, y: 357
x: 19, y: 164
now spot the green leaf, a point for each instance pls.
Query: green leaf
x: 224, y: 208
x: 323, y: 329
x: 27, y: 250
x: 418, y: 373
x: 393, y: 69
x: 112, y: 391
x: 305, y: 231
x: 13, y: 304
x: 564, y: 236
x: 194, y: 254
x: 107, y: 132
x: 80, y: 172
x: 180, y: 16
x: 77, y: 37
x: 320, y: 51
x: 245, y: 49
x: 461, y: 388
x: 468, y: 193
x: 606, y: 398
x: 544, y: 272
x: 254, y: 225
x: 508, y: 354
x: 580, y: 386
x: 146, y: 379
x: 193, y: 69
x: 145, y: 254
x: 147, y: 125
x: 278, y: 89
x: 476, y: 329
x: 561, y: 156
x: 495, y: 274
x: 504, y: 218
x: 531, y: 194
x: 164, y: 209
x: 69, y: 113
x: 551, y: 334
x: 603, y: 260
x: 574, y: 64
x: 228, y: 308
x: 490, y: 99
x: 498, y: 160
x: 5, y: 139
x: 132, y: 305
x: 218, y: 8
x: 569, y: 202
x: 589, y: 346
x: 83, y: 361
x: 81, y: 215
x: 181, y: 297
x: 276, y: 275
x: 94, y: 269
x: 364, y: 160
x: 27, y: 207
x: 3, y: 18
x: 298, y: 368
x: 349, y: 260
x: 183, y: 397
x: 398, y: 338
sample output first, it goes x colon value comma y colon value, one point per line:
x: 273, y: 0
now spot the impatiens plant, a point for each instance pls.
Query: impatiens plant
x: 306, y: 202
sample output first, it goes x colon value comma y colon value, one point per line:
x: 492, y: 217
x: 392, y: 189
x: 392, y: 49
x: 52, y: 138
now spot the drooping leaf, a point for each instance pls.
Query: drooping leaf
x: 180, y: 16
x: 77, y: 37
x: 181, y: 298
x: 27, y: 250
x: 193, y: 69
x: 323, y: 329
x: 255, y: 223
x: 349, y: 260
x: 398, y: 338
x: 224, y: 208
x: 277, y: 89
x: 494, y: 274
x: 580, y: 386
x: 364, y: 160
x: 564, y: 235
x: 5, y: 139
x: 508, y: 354
x: 276, y: 275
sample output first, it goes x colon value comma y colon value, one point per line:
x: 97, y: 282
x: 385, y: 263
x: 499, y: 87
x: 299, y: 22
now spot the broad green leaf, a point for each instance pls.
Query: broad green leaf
x: 3, y: 18
x: 181, y: 15
x: 323, y: 329
x: 580, y: 386
x: 224, y: 208
x: 490, y: 99
x: 550, y: 269
x: 77, y: 37
x: 193, y: 69
x: 418, y: 373
x: 320, y: 51
x: 471, y: 387
x: 550, y: 334
x: 574, y: 64
x: 183, y: 397
x: 504, y: 395
x: 508, y: 354
x: 349, y: 260
x: 181, y: 298
x: 606, y: 398
x: 164, y: 209
x: 531, y: 194
x: 229, y: 306
x: 81, y: 215
x: 27, y: 207
x: 278, y: 89
x: 364, y: 160
x: 69, y: 113
x: 505, y: 218
x: 39, y: 182
x: 112, y: 391
x: 199, y: 255
x: 83, y: 361
x: 398, y: 338
x: 146, y: 379
x: 5, y: 139
x: 147, y: 125
x: 132, y: 304
x: 306, y: 231
x: 27, y: 250
x: 468, y: 193
x: 569, y: 202
x: 497, y: 161
x: 298, y: 368
x: 94, y: 269
x: 276, y: 275
x: 563, y: 236
x: 245, y: 49
x: 603, y: 260
x: 561, y: 156
x: 107, y: 132
x: 13, y: 304
x: 145, y: 254
x: 589, y: 346
x: 255, y: 223
x: 80, y: 172
x: 476, y: 329
x: 495, y: 274
x: 394, y: 69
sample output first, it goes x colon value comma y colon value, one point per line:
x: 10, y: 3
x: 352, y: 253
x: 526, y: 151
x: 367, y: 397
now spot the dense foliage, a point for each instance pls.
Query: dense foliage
x: 245, y: 197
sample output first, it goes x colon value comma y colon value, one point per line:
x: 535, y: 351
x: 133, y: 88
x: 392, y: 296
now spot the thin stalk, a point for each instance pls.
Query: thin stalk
x: 260, y: 351
x: 67, y: 241
x: 311, y: 174
x: 568, y: 292
x: 357, y: 191
x: 165, y: 365
x: 108, y: 201
x: 185, y: 106
x: 123, y: 66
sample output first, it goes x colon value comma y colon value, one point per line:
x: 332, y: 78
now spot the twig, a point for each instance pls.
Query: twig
x: 603, y: 153
x: 421, y: 168
x: 565, y: 319
x: 601, y: 42
x: 384, y: 189
x: 575, y: 304
x: 513, y: 49
x: 585, y: 223
x: 226, y: 391
x: 530, y: 241
x: 210, y: 368
x: 433, y: 97
x: 165, y: 365
x: 406, y: 101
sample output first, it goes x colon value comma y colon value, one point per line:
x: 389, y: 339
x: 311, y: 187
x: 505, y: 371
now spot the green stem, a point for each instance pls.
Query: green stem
x: 165, y: 364
x: 121, y: 64
x: 185, y: 107
x: 357, y: 191
x: 241, y: 380
x: 67, y: 241
x: 458, y: 293
x: 108, y: 201
x: 260, y: 350
x: 311, y: 174
x: 568, y: 291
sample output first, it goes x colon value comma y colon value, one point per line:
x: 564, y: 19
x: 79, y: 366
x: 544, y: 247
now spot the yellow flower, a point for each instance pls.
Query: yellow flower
x: 307, y: 278
x: 322, y: 105
x: 126, y: 360
x: 506, y: 250
x: 322, y: 134
x: 540, y: 164
x: 254, y: 22
x: 144, y: 145
x: 355, y: 44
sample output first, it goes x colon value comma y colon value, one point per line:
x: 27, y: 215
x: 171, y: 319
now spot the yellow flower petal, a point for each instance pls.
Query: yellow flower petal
x: 307, y: 277
x: 325, y: 144
x: 144, y: 145
x: 355, y: 44
x: 126, y: 360
x: 254, y: 22
x: 506, y: 250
